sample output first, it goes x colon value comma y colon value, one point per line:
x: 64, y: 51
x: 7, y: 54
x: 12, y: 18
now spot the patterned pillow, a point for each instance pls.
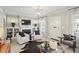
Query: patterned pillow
x: 21, y: 34
x: 67, y: 37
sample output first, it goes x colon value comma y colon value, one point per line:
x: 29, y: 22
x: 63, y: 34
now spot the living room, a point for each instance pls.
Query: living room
x: 53, y: 29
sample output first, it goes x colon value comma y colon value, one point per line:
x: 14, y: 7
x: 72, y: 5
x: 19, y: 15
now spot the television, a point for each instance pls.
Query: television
x: 26, y: 22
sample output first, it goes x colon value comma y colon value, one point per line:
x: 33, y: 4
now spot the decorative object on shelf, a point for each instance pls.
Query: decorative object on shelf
x: 36, y: 29
x: 13, y: 24
x: 35, y: 25
x: 54, y: 27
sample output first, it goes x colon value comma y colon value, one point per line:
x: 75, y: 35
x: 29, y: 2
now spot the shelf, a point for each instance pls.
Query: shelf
x: 12, y: 27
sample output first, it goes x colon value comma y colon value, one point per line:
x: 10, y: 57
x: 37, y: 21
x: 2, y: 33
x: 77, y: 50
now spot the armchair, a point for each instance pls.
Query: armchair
x: 69, y: 40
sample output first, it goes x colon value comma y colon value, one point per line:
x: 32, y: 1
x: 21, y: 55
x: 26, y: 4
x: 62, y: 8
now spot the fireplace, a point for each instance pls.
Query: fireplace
x: 27, y: 31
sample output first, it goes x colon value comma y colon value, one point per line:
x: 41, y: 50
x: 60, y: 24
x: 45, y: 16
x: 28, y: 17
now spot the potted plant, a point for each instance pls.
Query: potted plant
x: 35, y: 25
x: 46, y: 46
x: 13, y: 24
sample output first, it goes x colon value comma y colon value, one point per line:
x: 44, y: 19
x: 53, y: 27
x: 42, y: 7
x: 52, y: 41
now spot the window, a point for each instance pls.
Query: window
x: 42, y: 25
x: 75, y: 25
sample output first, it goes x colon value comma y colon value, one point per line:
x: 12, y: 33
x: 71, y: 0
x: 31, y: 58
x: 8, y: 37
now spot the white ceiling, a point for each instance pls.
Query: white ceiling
x: 30, y: 11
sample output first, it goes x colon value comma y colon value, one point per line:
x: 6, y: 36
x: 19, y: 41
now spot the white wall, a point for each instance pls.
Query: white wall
x: 53, y: 27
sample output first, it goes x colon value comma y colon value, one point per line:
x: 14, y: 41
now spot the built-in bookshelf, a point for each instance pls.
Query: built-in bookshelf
x: 23, y: 24
x: 12, y: 26
x: 12, y: 31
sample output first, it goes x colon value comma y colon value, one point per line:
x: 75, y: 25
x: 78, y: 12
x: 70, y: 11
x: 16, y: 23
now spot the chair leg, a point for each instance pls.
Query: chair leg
x: 74, y: 49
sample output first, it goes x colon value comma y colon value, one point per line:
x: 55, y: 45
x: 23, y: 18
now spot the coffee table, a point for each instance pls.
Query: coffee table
x: 53, y: 48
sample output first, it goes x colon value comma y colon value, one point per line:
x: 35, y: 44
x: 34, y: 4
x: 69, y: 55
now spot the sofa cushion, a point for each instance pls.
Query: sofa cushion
x: 67, y: 42
x: 67, y: 37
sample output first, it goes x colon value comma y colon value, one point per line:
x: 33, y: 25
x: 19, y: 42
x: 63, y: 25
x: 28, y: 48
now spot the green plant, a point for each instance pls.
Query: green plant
x: 35, y: 25
x: 13, y: 24
x: 46, y: 45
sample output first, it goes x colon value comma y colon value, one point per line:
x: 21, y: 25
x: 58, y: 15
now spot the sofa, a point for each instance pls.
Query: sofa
x: 22, y: 38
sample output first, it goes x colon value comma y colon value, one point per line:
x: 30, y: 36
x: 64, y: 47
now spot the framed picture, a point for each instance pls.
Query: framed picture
x: 25, y: 22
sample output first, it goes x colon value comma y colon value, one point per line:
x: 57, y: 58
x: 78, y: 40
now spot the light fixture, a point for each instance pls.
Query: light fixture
x: 38, y: 7
x: 38, y: 10
x: 38, y: 13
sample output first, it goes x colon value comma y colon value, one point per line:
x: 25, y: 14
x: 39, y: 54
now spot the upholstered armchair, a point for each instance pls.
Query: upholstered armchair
x: 69, y: 40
